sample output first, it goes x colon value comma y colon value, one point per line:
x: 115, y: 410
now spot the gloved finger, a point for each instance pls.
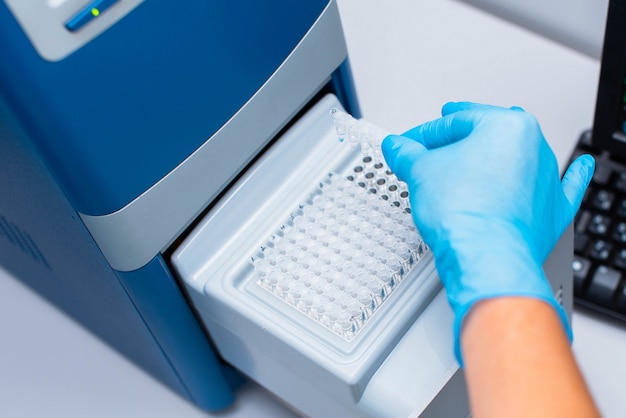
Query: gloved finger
x: 517, y: 108
x: 577, y: 178
x: 453, y: 107
x: 400, y: 152
x: 443, y: 131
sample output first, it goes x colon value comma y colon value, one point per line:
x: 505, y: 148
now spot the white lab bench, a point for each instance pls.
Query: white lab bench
x: 408, y: 58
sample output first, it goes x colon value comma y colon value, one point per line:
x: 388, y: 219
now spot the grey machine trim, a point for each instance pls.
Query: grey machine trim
x: 43, y: 22
x: 130, y: 237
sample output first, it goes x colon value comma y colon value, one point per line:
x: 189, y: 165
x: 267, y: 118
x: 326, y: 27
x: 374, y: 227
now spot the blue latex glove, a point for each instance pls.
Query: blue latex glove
x: 486, y: 196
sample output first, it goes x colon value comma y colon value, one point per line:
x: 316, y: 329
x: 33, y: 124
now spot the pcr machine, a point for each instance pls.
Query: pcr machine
x: 181, y: 178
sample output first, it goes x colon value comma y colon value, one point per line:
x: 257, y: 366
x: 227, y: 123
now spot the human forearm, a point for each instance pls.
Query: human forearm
x: 518, y: 362
x: 487, y: 197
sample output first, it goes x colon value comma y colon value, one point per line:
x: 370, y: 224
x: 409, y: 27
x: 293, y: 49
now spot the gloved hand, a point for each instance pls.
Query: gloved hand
x: 486, y: 196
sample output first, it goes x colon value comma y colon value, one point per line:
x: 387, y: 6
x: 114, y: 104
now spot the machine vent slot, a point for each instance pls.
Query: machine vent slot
x: 559, y: 295
x: 21, y: 240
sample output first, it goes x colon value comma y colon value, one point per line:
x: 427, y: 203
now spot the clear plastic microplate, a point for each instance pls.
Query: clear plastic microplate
x: 311, y: 263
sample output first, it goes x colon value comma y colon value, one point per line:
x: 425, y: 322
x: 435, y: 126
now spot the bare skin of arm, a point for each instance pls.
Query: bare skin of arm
x: 518, y: 362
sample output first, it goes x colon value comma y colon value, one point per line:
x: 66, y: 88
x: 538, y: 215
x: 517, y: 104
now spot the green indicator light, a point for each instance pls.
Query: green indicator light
x: 95, y: 12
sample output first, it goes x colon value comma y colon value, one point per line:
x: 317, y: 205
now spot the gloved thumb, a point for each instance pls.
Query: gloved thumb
x: 577, y: 178
x: 400, y: 152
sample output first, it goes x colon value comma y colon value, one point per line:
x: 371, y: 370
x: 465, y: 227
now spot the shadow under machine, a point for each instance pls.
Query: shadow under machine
x: 175, y: 182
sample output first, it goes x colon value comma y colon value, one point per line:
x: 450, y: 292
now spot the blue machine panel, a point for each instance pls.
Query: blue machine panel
x: 87, y: 133
x: 143, y: 95
x: 43, y: 241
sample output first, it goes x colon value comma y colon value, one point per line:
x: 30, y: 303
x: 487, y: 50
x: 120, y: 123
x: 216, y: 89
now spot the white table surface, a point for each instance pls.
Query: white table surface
x: 408, y: 58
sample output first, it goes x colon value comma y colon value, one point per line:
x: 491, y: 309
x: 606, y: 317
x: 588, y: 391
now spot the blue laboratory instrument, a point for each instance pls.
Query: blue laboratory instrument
x: 173, y: 181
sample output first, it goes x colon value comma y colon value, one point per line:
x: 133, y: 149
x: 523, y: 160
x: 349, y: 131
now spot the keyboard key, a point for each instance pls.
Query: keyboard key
x: 581, y: 268
x: 621, y: 300
x: 582, y: 221
x: 620, y: 182
x: 580, y: 242
x: 619, y: 232
x: 602, y: 173
x: 603, y: 285
x: 620, y: 259
x: 603, y: 200
x: 599, y: 224
x: 621, y: 208
x: 601, y: 250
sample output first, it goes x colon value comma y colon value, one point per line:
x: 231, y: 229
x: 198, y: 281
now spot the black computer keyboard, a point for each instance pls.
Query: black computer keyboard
x: 600, y: 237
